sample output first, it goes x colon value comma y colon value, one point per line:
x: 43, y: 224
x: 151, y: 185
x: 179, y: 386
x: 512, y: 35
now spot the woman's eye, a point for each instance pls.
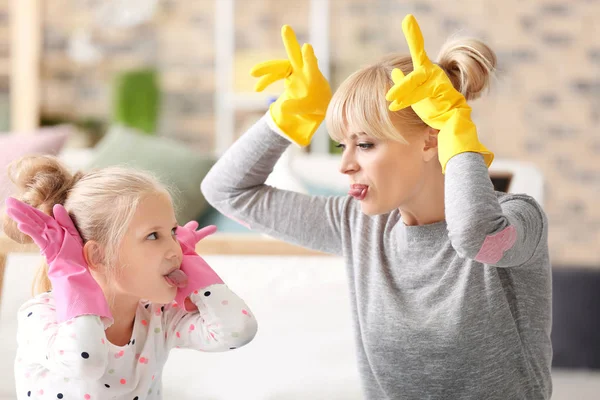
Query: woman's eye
x: 174, y: 231
x: 365, y: 146
x: 152, y: 236
x: 340, y: 146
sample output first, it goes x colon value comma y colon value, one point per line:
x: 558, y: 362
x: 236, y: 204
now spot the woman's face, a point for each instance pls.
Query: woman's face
x: 384, y: 174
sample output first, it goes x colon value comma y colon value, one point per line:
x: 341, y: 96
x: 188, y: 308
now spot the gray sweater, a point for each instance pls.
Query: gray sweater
x: 430, y: 321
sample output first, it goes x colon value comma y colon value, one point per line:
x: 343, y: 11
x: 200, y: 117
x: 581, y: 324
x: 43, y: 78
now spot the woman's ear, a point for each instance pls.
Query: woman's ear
x: 430, y: 149
x: 93, y: 253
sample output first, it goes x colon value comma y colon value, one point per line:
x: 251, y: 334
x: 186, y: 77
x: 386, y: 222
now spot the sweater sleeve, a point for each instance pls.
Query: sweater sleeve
x: 481, y: 227
x: 222, y: 322
x: 76, y: 348
x: 236, y: 187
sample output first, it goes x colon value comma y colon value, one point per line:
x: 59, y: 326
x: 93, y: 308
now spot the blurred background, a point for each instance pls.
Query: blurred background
x: 165, y: 85
x: 187, y: 64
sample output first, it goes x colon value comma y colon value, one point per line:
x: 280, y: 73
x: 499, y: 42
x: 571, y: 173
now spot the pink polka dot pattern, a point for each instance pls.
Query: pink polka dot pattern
x: 130, y: 366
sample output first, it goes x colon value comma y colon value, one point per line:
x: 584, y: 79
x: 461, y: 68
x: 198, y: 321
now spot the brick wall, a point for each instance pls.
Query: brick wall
x: 544, y: 106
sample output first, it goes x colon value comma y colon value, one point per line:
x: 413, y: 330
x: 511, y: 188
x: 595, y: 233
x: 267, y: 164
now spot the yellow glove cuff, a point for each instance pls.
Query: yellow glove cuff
x: 459, y: 135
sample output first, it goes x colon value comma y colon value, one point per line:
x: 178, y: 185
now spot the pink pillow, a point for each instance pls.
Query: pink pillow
x: 48, y: 140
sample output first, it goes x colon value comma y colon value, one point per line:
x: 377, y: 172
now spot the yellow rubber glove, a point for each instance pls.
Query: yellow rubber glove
x: 435, y: 100
x: 301, y: 108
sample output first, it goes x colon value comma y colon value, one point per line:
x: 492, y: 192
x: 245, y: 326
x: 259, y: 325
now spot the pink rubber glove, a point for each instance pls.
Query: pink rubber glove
x: 75, y: 291
x: 199, y: 273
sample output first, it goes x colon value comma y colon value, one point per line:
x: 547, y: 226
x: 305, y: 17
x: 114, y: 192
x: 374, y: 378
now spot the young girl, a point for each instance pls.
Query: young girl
x: 450, y: 281
x: 105, y: 321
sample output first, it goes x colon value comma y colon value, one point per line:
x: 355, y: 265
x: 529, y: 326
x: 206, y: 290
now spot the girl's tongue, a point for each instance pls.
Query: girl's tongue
x: 177, y: 278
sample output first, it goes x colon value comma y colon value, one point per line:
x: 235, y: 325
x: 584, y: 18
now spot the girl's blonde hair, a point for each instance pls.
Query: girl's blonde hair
x: 101, y: 202
x: 360, y: 100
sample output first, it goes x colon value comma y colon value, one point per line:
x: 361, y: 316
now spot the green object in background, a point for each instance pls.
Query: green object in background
x: 136, y: 100
x: 176, y: 165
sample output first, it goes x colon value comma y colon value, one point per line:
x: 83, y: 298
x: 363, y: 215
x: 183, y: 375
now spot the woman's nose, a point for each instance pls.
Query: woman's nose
x: 348, y: 164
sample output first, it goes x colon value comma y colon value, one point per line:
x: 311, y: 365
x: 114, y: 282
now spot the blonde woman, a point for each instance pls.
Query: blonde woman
x: 450, y: 281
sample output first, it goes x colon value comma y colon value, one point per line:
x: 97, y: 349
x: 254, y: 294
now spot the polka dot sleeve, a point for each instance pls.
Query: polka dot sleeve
x: 76, y: 348
x: 223, y: 321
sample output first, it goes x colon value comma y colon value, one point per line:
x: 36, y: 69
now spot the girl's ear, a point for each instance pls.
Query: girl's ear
x: 93, y: 253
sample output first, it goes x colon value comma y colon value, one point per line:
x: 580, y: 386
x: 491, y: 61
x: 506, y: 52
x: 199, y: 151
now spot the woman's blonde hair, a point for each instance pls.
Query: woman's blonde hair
x: 360, y: 100
x: 101, y: 202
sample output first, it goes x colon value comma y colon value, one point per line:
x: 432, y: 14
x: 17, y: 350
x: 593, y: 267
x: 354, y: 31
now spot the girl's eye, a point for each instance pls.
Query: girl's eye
x: 340, y: 146
x: 152, y: 236
x: 174, y: 231
x: 365, y: 146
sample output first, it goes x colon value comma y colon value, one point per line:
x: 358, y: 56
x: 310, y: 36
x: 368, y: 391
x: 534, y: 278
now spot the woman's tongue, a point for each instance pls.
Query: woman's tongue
x: 358, y: 191
x: 177, y: 278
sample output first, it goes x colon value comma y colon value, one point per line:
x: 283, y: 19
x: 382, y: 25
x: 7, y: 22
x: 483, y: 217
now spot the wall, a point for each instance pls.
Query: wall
x: 543, y: 108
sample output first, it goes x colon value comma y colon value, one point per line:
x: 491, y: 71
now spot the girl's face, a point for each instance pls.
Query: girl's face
x: 149, y: 250
x: 385, y: 174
